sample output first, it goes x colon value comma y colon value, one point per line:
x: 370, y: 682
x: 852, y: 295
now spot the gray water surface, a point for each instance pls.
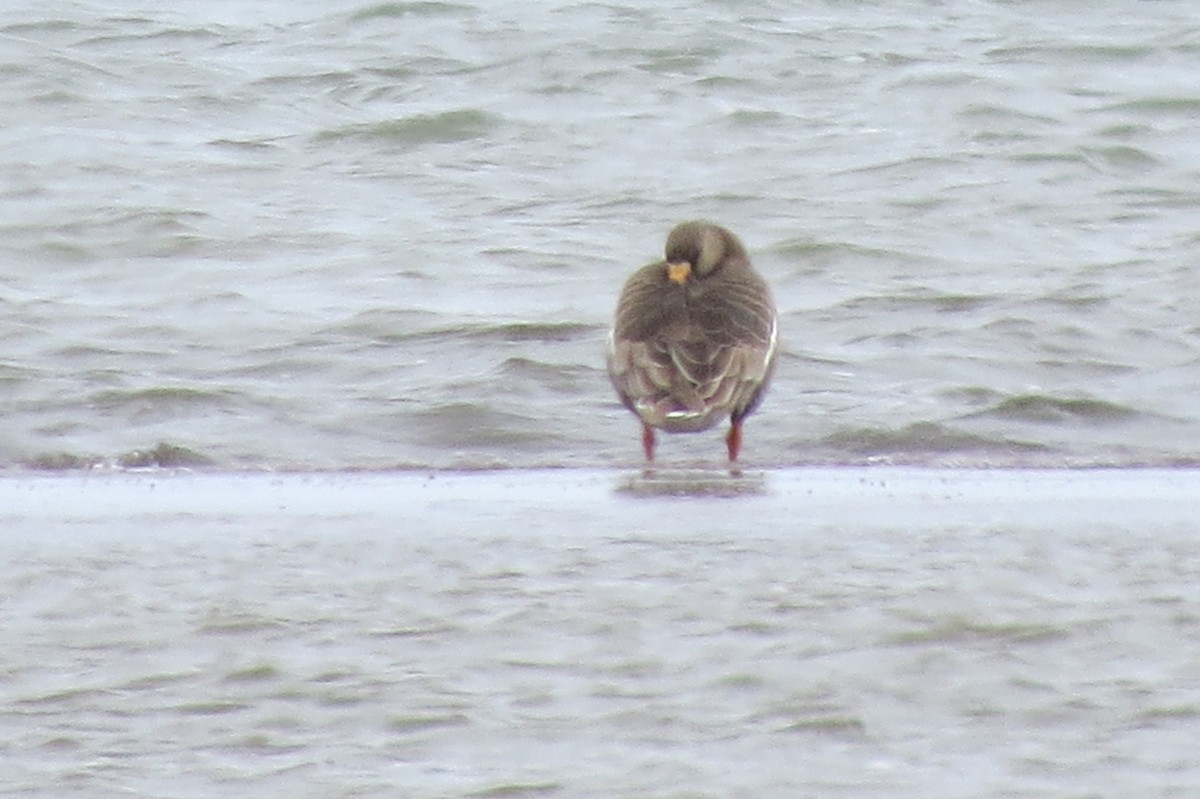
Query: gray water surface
x: 382, y: 241
x: 346, y: 235
x: 871, y: 632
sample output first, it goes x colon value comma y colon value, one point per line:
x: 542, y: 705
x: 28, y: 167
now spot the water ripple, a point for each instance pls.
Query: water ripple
x: 388, y: 233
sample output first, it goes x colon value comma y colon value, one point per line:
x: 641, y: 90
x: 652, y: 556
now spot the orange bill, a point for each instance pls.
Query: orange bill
x: 679, y: 271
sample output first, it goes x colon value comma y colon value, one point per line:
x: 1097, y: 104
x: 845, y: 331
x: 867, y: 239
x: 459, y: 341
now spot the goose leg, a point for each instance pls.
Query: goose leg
x: 648, y: 442
x: 733, y: 441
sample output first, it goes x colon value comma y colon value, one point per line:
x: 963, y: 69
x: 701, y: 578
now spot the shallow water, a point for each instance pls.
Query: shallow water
x: 383, y: 241
x: 873, y: 632
x: 350, y: 235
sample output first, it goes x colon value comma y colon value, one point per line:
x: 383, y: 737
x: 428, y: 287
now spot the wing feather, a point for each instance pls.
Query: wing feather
x: 686, y: 364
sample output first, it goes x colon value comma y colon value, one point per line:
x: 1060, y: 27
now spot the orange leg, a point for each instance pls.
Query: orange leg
x: 733, y: 441
x: 648, y: 442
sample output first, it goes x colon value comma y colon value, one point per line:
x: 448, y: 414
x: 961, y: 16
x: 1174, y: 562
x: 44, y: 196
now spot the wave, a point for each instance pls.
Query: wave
x: 412, y: 9
x: 924, y: 438
x: 163, y: 455
x: 1043, y: 409
x: 420, y: 129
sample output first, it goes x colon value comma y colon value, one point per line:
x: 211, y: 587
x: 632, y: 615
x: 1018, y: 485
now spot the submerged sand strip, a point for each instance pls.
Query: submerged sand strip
x: 601, y: 500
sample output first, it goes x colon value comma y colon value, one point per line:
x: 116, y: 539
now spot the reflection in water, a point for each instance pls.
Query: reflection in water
x: 715, y: 482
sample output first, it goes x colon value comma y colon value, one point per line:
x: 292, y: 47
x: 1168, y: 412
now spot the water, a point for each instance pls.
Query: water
x: 359, y: 236
x: 318, y: 258
x: 875, y: 632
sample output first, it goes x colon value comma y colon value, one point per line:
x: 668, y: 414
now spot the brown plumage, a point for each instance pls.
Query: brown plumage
x: 693, y: 338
